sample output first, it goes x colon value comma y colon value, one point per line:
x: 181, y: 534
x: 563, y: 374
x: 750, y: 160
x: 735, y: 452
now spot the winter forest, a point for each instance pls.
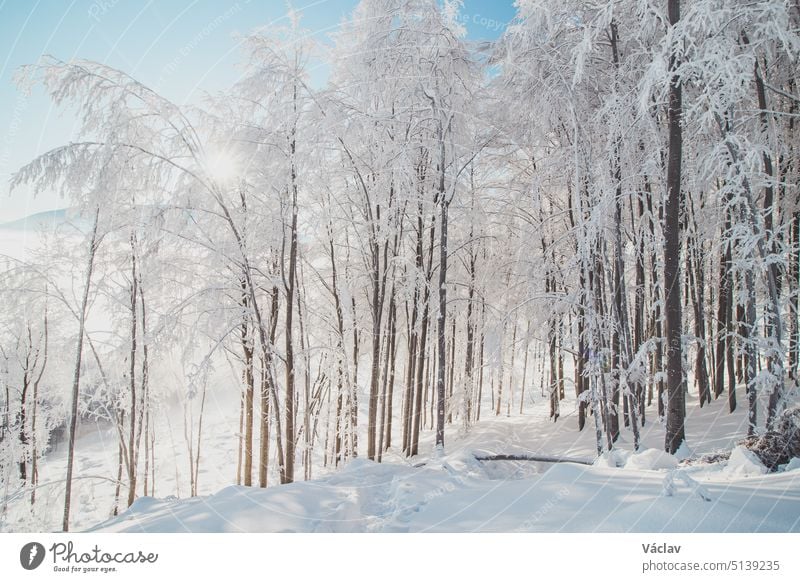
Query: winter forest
x: 455, y: 274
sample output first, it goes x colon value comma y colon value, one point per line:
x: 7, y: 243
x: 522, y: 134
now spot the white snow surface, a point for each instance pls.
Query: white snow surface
x: 744, y: 463
x: 651, y: 459
x: 456, y: 493
x: 456, y: 496
x: 793, y: 465
x: 623, y: 491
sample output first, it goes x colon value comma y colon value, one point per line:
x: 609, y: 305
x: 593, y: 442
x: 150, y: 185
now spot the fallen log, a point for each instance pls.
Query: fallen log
x: 529, y: 457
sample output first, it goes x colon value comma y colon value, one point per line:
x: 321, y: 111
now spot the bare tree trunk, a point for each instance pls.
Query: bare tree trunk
x: 73, y: 418
x: 35, y: 407
x: 144, y: 417
x: 240, y: 439
x: 554, y: 402
x: 249, y: 391
x: 525, y: 366
x: 723, y: 314
x: 308, y: 399
x: 23, y: 420
x: 353, y: 388
x: 656, y: 322
x: 422, y: 355
x: 451, y: 371
x: 153, y: 461
x: 118, y: 484
x: 676, y: 393
x: 794, y: 253
x: 393, y: 350
x: 639, y: 302
x: 469, y: 359
x: 408, y: 396
x: 442, y: 314
x: 382, y: 404
x: 730, y: 356
x: 267, y: 387
x: 794, y: 297
x: 510, y: 400
x: 501, y: 375
x: 290, y: 281
x: 697, y: 292
x: 560, y: 352
x: 480, y: 361
x: 132, y: 379
x: 773, y: 323
x: 377, y: 314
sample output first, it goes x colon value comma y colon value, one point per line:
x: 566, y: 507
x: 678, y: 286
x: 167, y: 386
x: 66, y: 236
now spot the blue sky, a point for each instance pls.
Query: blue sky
x: 182, y: 48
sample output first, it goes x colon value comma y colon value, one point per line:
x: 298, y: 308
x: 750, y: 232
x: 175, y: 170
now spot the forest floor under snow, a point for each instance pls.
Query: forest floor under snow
x: 624, y: 492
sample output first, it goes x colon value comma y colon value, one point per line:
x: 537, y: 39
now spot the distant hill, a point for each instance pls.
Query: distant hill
x: 50, y: 220
x: 47, y: 220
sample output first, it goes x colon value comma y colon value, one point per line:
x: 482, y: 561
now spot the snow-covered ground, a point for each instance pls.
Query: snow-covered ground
x: 627, y: 492
x: 455, y: 493
x: 642, y: 492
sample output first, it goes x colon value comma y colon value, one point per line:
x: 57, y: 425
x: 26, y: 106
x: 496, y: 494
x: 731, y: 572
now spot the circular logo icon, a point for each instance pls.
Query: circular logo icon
x: 31, y: 555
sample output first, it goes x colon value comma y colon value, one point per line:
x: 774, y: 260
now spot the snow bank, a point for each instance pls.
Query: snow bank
x: 612, y: 459
x: 643, y: 460
x: 792, y: 465
x: 651, y: 460
x: 744, y: 463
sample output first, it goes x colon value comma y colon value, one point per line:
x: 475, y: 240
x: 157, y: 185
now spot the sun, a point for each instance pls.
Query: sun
x: 222, y: 166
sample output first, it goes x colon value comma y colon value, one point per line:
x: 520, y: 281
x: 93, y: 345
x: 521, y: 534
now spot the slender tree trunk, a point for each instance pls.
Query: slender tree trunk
x: 723, y: 312
x: 789, y: 169
x: 377, y: 314
x: 23, y: 421
x: 510, y: 400
x: 353, y: 387
x: 290, y: 283
x: 773, y: 323
x: 451, y: 371
x: 195, y: 479
x: 383, y: 405
x: 442, y: 315
x: 658, y: 356
x: 249, y: 392
x: 501, y: 376
x: 35, y: 407
x: 480, y: 361
x: 469, y: 358
x: 676, y: 393
x: 525, y: 359
x: 267, y: 387
x: 132, y: 379
x: 76, y: 378
x: 794, y: 297
x: 554, y: 402
x: 422, y: 355
x: 240, y: 448
x: 697, y: 292
x: 730, y: 356
x: 118, y: 484
x: 639, y: 306
x: 408, y: 396
x: 393, y: 351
